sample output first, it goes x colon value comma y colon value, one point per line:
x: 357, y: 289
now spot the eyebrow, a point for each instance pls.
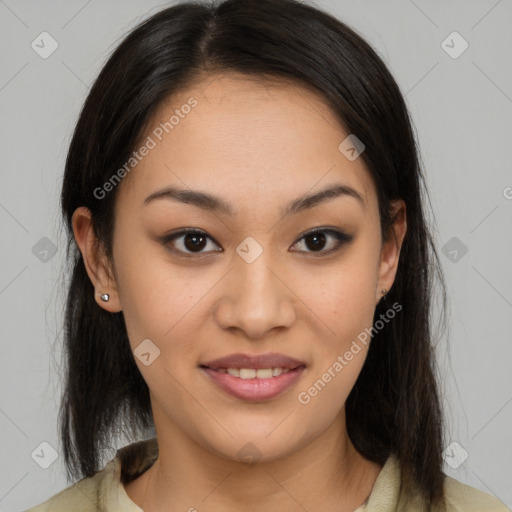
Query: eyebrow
x: 209, y: 202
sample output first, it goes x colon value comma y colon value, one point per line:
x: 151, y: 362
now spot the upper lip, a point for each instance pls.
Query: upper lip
x: 271, y: 360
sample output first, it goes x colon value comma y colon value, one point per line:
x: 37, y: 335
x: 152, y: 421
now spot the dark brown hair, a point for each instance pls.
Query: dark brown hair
x: 394, y: 407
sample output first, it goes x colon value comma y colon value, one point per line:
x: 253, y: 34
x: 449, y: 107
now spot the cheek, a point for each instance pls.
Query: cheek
x: 168, y: 306
x: 345, y: 304
x: 347, y: 317
x: 345, y: 299
x: 339, y: 355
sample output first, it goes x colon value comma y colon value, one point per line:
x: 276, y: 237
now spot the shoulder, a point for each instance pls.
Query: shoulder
x: 465, y: 498
x: 104, y: 490
x: 84, y: 495
x: 385, y: 495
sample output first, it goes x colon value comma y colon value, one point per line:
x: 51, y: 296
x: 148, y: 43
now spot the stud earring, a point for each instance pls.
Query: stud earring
x: 105, y: 297
x: 383, y: 291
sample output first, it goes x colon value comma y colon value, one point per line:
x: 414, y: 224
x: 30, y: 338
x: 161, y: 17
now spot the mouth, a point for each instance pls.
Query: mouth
x: 254, y: 384
x: 265, y: 361
x: 254, y: 373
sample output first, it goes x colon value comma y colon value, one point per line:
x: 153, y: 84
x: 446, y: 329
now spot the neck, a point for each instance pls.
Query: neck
x: 327, y: 474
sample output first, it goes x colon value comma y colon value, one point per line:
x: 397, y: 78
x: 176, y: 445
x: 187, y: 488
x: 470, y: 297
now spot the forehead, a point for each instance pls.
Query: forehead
x: 256, y: 138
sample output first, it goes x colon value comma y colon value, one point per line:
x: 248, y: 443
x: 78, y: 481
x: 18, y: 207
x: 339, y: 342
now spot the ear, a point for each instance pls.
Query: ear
x: 96, y: 264
x: 391, y: 248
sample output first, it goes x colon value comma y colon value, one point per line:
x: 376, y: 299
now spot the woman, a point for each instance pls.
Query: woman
x: 252, y: 275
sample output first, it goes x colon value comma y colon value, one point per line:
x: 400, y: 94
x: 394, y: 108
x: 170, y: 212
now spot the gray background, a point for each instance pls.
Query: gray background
x: 462, y: 110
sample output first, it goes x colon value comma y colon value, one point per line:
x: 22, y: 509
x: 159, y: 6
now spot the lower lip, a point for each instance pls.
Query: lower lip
x: 255, y: 390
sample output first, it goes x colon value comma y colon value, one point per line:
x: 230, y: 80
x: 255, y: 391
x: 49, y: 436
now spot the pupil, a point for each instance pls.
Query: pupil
x: 316, y: 236
x: 195, y: 244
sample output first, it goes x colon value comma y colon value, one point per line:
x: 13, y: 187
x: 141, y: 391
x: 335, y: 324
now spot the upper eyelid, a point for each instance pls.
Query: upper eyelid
x: 186, y: 231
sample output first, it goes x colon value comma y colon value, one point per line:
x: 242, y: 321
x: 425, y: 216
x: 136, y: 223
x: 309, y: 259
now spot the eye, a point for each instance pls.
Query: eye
x: 193, y: 241
x: 317, y: 239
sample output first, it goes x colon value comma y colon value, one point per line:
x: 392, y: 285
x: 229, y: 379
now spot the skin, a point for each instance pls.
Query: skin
x: 257, y: 147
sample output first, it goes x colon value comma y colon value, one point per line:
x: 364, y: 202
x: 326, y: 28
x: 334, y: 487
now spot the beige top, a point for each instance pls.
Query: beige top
x: 104, y: 491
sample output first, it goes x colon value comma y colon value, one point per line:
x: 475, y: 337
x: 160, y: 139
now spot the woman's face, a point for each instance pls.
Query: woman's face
x: 251, y: 282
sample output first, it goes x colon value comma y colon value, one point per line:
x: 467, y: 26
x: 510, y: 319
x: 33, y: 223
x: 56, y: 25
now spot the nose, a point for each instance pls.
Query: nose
x: 256, y: 298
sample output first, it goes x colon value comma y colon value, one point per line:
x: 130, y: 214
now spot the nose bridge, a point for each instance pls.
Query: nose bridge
x: 256, y: 299
x: 257, y: 281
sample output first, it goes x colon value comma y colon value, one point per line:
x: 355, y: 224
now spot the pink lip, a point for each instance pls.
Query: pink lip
x: 254, y: 390
x: 269, y: 360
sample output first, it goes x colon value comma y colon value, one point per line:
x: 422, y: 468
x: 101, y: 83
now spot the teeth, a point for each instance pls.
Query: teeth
x: 251, y: 373
x: 248, y: 373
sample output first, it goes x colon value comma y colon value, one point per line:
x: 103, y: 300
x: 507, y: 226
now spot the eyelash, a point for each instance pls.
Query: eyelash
x: 340, y: 236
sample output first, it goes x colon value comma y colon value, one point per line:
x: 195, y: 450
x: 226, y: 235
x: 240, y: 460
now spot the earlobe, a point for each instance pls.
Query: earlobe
x: 95, y: 261
x: 391, y: 248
